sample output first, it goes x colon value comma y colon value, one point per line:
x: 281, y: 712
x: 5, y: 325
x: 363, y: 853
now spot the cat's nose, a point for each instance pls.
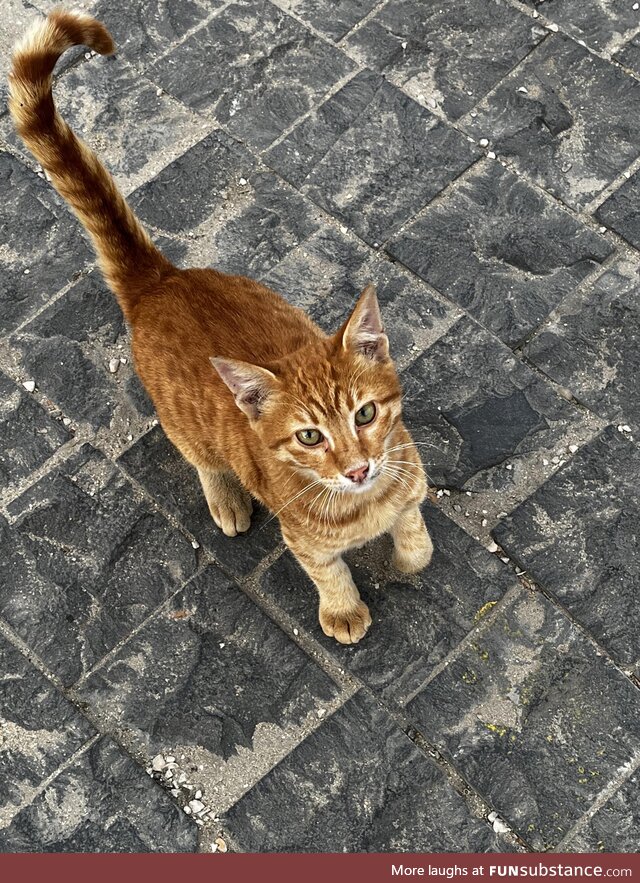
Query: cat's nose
x: 358, y: 474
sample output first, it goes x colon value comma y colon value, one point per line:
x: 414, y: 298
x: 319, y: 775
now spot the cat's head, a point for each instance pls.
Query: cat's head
x: 330, y: 408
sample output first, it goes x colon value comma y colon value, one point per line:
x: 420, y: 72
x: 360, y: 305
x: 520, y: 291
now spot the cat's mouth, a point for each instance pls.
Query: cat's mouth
x: 360, y: 487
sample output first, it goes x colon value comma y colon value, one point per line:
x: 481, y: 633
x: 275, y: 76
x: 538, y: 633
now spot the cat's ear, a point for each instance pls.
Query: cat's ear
x: 251, y: 385
x: 364, y: 331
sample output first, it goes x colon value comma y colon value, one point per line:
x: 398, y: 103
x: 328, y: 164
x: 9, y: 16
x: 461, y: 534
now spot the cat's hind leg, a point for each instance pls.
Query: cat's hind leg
x: 229, y: 504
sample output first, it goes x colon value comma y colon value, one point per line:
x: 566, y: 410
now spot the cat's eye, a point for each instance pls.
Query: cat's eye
x: 309, y: 437
x: 365, y: 414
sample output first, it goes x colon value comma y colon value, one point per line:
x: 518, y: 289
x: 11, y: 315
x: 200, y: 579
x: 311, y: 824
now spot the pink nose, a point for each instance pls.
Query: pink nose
x: 358, y: 475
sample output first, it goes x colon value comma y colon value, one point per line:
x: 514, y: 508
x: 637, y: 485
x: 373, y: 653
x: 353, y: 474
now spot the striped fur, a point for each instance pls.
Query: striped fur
x: 128, y: 258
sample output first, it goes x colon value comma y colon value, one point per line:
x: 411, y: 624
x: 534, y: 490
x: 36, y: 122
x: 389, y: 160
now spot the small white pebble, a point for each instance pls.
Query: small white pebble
x: 195, y: 544
x: 198, y: 794
x: 123, y: 361
x: 404, y: 44
x: 321, y: 712
x: 483, y: 142
x: 214, y: 847
x: 491, y: 154
x: 523, y: 89
x: 27, y: 271
x: 545, y: 462
x: 484, y: 522
x: 114, y: 364
x: 158, y: 91
x: 432, y: 102
x: 295, y: 632
x: 66, y: 421
x: 439, y: 493
x: 509, y: 466
x: 636, y: 6
x: 535, y: 14
x: 492, y: 547
x: 552, y: 27
x: 573, y: 448
x: 446, y: 492
x: 29, y: 385
x: 187, y: 809
x: 622, y: 428
x: 602, y: 229
x: 242, y: 181
x: 196, y: 805
x: 170, y: 758
x: 222, y: 846
x: 221, y: 645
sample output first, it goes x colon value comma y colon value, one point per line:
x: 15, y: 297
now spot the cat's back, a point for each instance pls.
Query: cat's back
x: 202, y: 313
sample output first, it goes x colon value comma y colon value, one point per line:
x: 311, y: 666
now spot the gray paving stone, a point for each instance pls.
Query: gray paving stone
x: 533, y: 717
x: 591, y: 346
x: 236, y: 227
x: 371, y: 156
x: 157, y: 465
x: 620, y: 211
x: 103, y: 802
x: 134, y: 131
x: 147, y: 28
x: 85, y: 562
x: 333, y: 18
x: 28, y: 436
x: 615, y: 827
x: 577, y: 537
x: 357, y: 784
x: 207, y: 672
x: 602, y: 24
x: 629, y: 55
x: 325, y: 274
x: 500, y: 249
x: 449, y: 54
x: 39, y: 729
x: 574, y: 130
x: 481, y: 415
x: 416, y: 621
x: 42, y: 247
x: 264, y: 70
x: 67, y: 349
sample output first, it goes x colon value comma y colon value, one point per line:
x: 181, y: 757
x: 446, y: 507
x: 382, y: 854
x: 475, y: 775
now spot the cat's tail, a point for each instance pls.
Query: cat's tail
x: 129, y: 260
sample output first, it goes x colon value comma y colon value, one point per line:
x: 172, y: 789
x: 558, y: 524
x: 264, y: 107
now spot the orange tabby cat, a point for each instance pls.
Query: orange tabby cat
x: 308, y: 424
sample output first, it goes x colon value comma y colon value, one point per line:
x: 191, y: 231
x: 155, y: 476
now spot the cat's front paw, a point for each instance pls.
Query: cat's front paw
x: 233, y: 514
x: 347, y: 626
x: 414, y: 558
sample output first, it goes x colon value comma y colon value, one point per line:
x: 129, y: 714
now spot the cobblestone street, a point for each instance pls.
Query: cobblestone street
x: 166, y: 688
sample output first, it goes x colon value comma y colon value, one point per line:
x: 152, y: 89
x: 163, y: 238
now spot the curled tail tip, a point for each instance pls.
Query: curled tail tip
x: 35, y: 54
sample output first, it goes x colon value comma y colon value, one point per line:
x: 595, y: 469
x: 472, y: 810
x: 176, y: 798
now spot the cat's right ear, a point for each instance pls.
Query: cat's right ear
x: 251, y: 385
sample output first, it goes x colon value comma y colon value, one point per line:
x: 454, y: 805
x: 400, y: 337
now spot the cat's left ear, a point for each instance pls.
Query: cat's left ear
x: 251, y: 385
x: 364, y: 331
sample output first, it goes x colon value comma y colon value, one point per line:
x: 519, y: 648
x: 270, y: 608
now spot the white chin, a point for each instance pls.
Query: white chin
x: 366, y: 485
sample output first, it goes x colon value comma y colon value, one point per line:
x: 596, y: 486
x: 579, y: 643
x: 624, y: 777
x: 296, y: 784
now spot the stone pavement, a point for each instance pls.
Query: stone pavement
x: 163, y: 686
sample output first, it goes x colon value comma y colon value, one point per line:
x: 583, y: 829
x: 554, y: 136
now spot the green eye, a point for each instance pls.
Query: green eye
x: 365, y: 414
x: 309, y: 437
